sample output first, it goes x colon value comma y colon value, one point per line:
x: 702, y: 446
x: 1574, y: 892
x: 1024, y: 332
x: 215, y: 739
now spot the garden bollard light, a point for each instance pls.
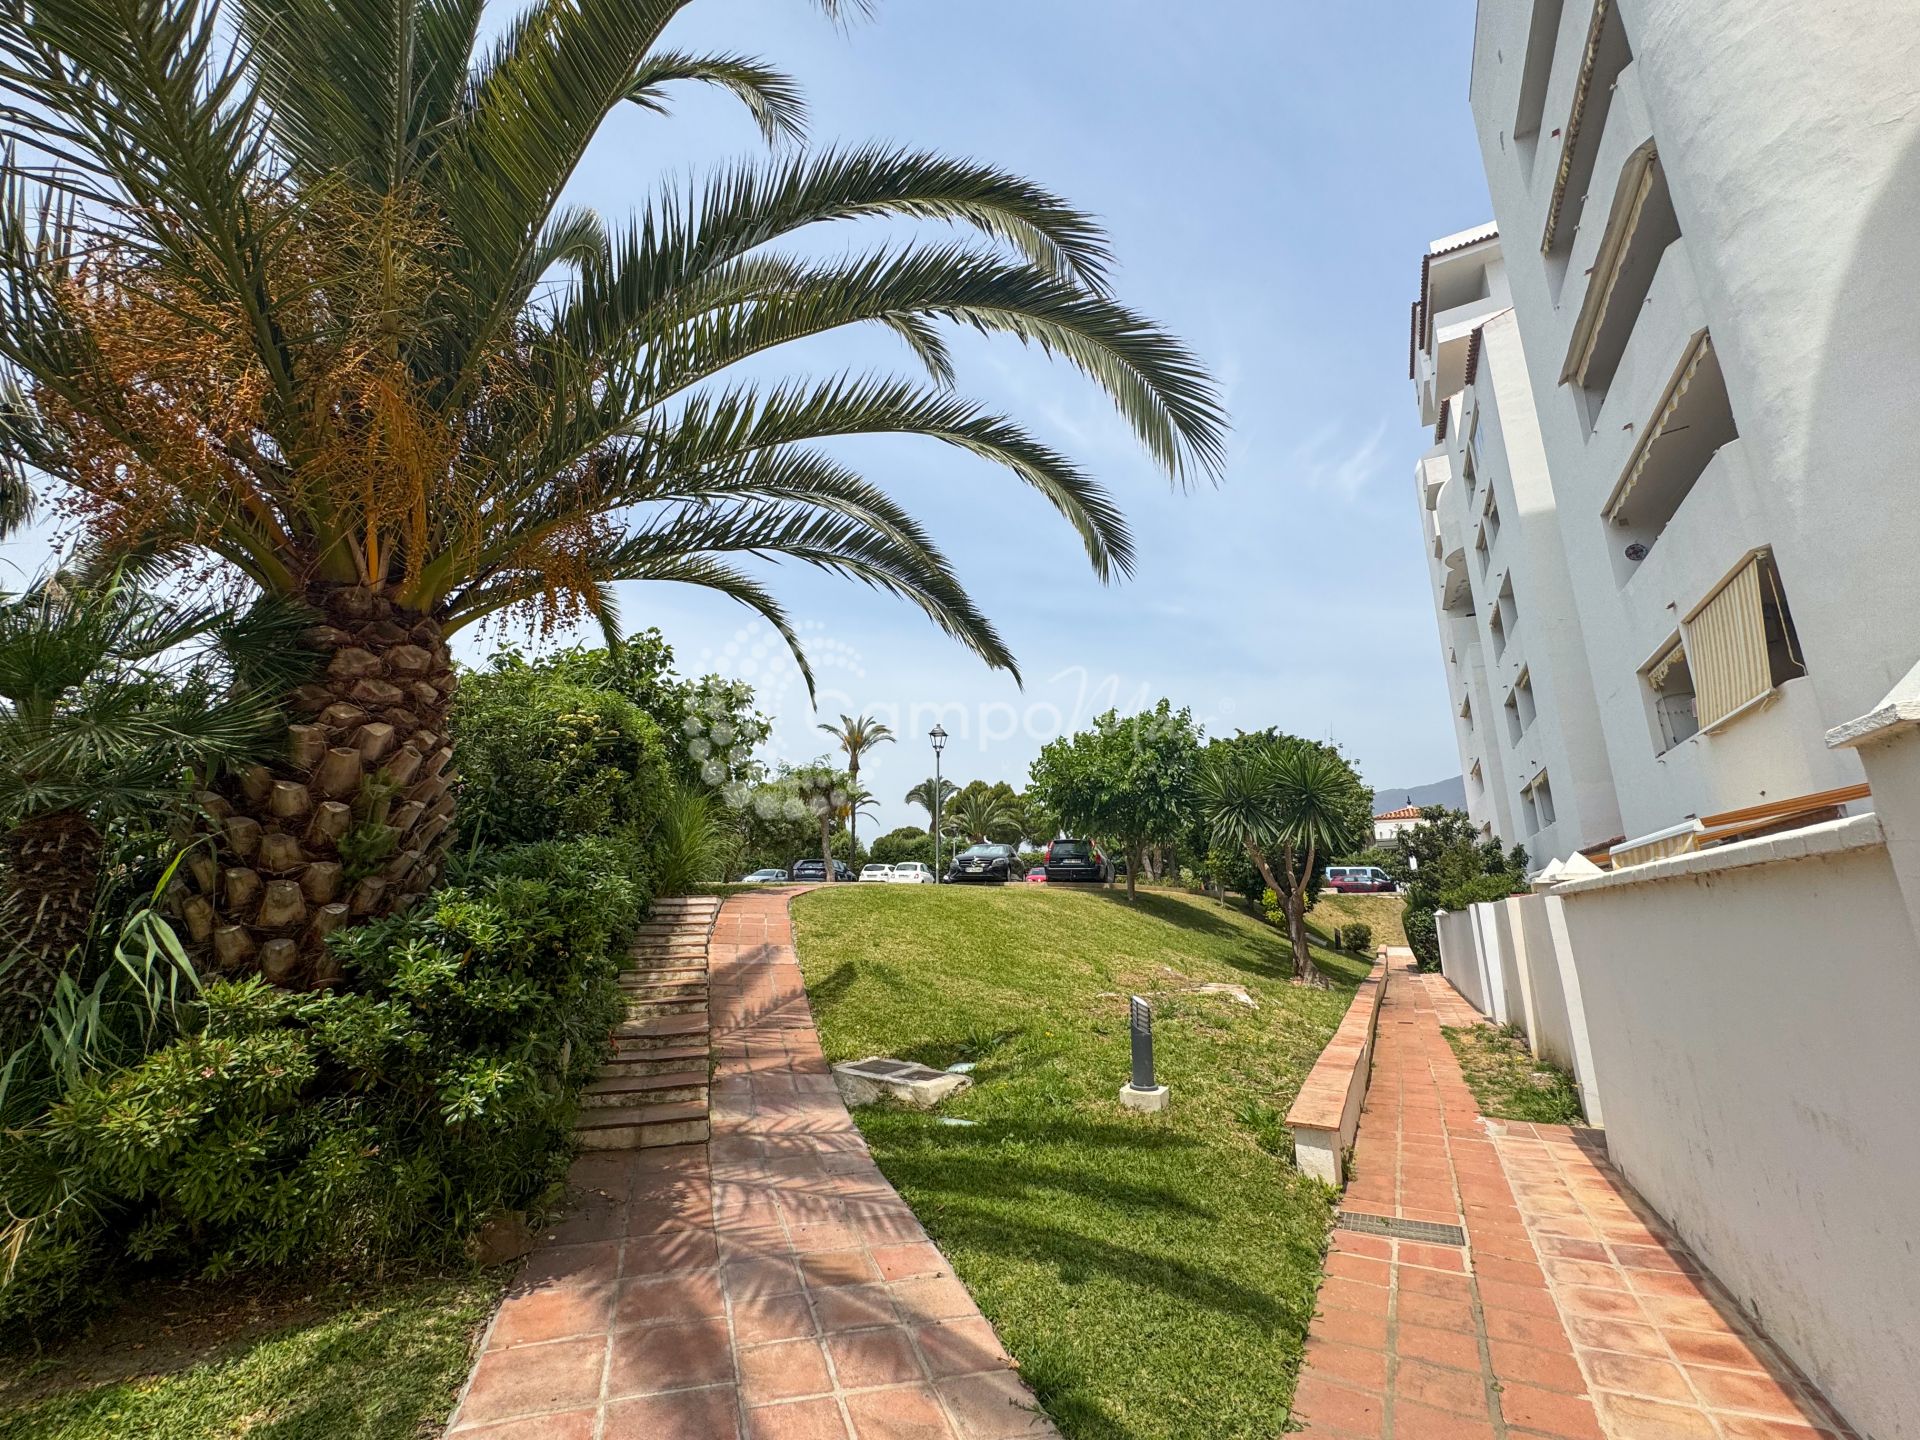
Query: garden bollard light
x: 1140, y: 1093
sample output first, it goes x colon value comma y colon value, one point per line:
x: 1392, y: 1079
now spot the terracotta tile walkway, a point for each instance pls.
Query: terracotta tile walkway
x: 770, y: 1285
x: 1571, y: 1312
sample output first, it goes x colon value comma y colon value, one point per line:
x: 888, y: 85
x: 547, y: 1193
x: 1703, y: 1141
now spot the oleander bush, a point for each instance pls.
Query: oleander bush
x: 338, y: 1129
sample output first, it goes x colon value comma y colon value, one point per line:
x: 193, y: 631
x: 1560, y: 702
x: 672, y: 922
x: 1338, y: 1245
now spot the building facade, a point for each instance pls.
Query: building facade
x: 1706, y: 216
x: 1510, y: 634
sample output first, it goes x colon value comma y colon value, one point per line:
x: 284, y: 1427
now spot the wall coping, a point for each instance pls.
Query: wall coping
x: 1325, y: 1113
x: 1830, y: 837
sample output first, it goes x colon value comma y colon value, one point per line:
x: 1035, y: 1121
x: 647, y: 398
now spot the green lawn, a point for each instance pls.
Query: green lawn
x: 1382, y: 912
x: 1508, y: 1083
x: 1154, y: 1276
x: 379, y: 1365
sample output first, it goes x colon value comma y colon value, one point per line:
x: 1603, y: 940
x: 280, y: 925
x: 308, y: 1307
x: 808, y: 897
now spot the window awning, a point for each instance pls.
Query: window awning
x: 1727, y: 648
x: 1683, y: 379
x: 1614, y: 248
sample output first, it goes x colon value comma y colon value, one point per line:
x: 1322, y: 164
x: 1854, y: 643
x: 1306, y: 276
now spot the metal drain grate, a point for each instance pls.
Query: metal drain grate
x: 1393, y: 1229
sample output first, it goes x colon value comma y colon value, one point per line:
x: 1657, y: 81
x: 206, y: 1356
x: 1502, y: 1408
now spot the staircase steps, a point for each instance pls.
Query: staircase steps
x: 655, y: 1088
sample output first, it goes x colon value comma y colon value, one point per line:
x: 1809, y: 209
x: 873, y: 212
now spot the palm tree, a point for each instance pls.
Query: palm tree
x: 1315, y: 806
x: 978, y: 815
x: 112, y: 699
x: 857, y: 801
x: 930, y: 795
x: 856, y: 737
x: 1275, y: 796
x: 288, y: 284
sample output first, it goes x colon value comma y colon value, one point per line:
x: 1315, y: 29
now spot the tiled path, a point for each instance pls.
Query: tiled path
x: 1571, y: 1311
x: 768, y: 1286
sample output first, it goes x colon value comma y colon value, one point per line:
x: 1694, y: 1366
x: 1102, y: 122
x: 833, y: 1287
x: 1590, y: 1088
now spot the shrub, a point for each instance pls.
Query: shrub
x: 1357, y: 937
x: 909, y: 842
x: 692, y: 841
x: 1423, y: 936
x: 543, y: 757
x: 341, y: 1128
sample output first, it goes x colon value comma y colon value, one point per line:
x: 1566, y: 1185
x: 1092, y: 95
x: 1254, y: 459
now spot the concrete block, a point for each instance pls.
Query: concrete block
x: 876, y: 1078
x: 1146, y: 1101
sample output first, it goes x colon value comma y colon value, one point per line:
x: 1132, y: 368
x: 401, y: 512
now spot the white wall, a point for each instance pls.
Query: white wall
x: 1460, y: 958
x: 1755, y: 1022
x: 1789, y: 135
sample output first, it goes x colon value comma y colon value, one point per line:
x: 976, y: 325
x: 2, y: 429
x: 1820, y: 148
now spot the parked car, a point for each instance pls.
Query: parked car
x: 1037, y: 875
x: 815, y: 870
x: 987, y: 863
x: 1358, y: 879
x: 881, y: 873
x: 1077, y: 860
x: 765, y: 877
x: 912, y: 872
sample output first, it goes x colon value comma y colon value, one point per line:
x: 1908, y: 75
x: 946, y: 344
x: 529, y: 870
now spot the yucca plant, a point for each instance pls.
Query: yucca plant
x: 288, y: 284
x: 116, y: 700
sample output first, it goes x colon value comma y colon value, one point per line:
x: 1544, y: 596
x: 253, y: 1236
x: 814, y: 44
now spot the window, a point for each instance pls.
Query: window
x: 1741, y: 643
x: 1502, y: 618
x: 1466, y: 713
x: 1542, y: 32
x: 1536, y: 804
x: 1605, y: 56
x: 1520, y: 708
x: 1639, y: 231
x: 1497, y: 627
x: 1480, y: 549
x: 1691, y: 423
x: 1669, y: 683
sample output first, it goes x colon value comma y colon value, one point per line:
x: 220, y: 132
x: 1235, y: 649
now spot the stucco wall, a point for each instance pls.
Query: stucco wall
x: 1460, y: 958
x: 1754, y: 1014
x: 1549, y: 1026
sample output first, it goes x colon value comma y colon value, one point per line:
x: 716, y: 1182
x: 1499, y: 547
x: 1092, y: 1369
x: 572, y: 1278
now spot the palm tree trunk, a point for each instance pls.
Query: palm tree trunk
x: 1303, y: 967
x: 826, y: 846
x: 53, y: 867
x: 853, y: 815
x: 353, y: 824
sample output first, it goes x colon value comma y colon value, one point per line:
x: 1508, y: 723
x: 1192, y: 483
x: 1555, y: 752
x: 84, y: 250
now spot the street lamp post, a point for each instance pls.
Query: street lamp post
x: 938, y: 736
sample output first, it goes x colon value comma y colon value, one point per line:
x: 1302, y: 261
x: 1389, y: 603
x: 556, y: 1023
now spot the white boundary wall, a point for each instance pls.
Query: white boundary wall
x: 1755, y: 1021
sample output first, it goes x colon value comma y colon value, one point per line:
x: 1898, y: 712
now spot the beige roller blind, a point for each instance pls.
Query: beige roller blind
x: 1727, y: 648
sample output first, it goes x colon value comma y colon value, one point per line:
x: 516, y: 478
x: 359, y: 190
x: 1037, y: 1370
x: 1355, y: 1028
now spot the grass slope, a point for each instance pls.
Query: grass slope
x: 1507, y: 1082
x: 1154, y: 1276
x: 1382, y: 912
x: 383, y: 1365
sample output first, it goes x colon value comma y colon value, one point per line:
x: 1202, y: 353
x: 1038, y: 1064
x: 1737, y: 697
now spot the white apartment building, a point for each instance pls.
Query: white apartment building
x: 1707, y: 213
x: 1523, y: 706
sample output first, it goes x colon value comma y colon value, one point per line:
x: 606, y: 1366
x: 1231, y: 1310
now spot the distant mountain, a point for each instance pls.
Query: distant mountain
x: 1452, y: 793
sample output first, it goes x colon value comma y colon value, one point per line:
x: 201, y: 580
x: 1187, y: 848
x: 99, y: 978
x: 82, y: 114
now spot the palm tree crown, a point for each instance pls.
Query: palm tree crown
x: 290, y: 284
x: 856, y: 737
x: 311, y: 302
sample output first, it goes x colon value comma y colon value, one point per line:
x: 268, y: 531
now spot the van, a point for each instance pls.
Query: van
x: 1358, y: 879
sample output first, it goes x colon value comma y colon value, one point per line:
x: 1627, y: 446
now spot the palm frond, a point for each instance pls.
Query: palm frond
x: 774, y: 99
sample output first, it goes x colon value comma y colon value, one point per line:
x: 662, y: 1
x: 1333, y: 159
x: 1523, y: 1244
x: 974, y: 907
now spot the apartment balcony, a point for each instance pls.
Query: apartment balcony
x: 1669, y: 322
x: 1450, y: 510
x: 1628, y: 128
x: 1440, y: 369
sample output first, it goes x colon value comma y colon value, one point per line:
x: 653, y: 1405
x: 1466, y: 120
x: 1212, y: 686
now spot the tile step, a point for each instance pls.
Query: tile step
x: 641, y: 1128
x: 670, y: 1087
x: 664, y: 1059
x: 641, y: 1007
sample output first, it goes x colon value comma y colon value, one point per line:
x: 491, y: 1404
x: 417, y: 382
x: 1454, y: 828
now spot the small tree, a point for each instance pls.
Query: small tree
x: 825, y: 792
x: 1446, y: 863
x: 1277, y: 797
x: 1129, y: 780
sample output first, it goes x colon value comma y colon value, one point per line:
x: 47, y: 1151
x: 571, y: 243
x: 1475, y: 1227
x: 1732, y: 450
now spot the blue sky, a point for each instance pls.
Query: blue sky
x: 1270, y: 173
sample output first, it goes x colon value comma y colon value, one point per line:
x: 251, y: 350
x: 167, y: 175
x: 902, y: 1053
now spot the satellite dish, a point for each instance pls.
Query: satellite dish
x: 1636, y: 552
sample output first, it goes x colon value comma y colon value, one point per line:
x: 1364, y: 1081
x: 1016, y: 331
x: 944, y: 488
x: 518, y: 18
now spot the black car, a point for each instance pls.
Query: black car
x: 987, y: 862
x: 815, y: 870
x: 1069, y: 860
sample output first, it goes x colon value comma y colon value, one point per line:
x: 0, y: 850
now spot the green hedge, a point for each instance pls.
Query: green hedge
x: 343, y: 1128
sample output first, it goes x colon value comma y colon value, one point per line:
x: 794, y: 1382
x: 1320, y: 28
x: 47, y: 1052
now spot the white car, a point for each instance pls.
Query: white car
x: 912, y: 872
x: 882, y: 873
x: 771, y: 876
